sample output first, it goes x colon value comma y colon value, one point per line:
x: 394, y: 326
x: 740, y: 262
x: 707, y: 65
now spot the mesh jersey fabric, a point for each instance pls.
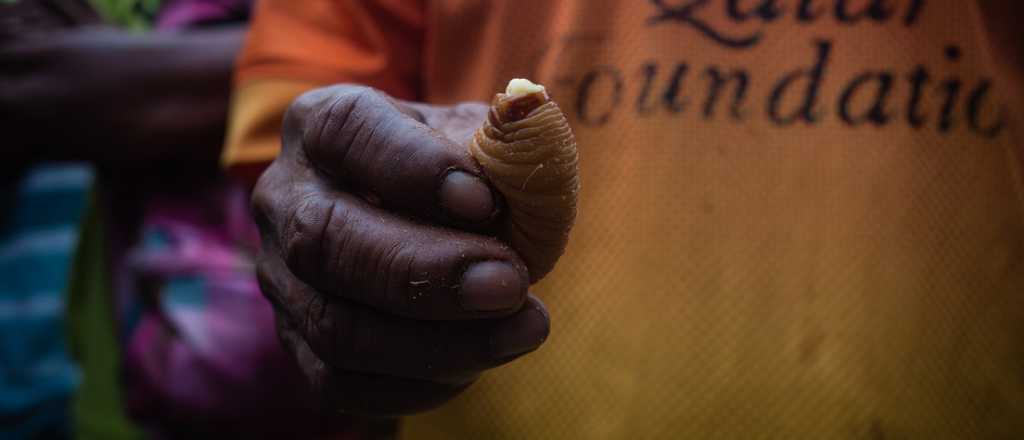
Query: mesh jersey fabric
x: 795, y: 222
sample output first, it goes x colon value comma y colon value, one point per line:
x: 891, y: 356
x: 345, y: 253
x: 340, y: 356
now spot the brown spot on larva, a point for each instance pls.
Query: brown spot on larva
x: 515, y: 108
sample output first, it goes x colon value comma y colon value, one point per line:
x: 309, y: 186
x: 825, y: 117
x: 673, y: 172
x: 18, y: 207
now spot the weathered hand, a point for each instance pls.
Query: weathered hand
x: 376, y: 254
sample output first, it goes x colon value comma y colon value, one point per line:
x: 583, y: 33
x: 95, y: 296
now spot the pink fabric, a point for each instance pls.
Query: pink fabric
x: 200, y: 345
x: 183, y: 13
x: 200, y: 340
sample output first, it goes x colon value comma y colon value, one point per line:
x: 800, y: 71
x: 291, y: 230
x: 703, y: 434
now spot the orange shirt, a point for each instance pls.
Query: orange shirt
x: 798, y: 219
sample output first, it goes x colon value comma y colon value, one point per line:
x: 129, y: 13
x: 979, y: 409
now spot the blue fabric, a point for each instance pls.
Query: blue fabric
x: 38, y: 234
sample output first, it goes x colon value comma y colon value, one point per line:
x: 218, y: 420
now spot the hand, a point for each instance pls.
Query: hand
x: 388, y: 308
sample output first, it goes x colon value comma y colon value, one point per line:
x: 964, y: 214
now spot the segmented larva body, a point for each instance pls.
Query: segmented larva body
x: 528, y: 151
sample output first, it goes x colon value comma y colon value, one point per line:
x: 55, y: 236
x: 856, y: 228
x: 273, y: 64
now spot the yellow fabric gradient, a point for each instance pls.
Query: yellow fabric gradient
x: 742, y: 266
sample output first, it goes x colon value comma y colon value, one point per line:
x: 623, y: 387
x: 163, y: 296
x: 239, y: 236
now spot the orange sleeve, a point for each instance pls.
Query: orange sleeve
x: 294, y: 46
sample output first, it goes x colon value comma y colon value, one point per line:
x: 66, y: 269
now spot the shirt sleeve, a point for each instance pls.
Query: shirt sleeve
x: 293, y: 47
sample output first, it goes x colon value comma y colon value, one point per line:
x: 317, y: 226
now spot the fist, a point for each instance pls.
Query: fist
x: 379, y: 253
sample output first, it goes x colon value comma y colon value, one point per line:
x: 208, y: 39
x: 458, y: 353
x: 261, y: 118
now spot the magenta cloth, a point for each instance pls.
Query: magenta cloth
x: 176, y: 14
x: 200, y: 338
x: 200, y: 348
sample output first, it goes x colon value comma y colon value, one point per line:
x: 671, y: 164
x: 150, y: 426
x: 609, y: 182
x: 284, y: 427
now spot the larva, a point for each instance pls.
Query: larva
x: 528, y: 151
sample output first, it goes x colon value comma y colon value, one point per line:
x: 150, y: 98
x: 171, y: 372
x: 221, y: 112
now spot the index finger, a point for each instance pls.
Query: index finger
x: 343, y: 246
x: 371, y: 144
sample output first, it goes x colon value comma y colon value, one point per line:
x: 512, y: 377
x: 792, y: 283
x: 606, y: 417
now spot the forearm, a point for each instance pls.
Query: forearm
x: 118, y: 98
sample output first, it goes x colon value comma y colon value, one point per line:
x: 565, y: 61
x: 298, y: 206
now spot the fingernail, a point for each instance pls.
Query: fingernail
x: 490, y: 286
x: 520, y: 334
x: 466, y: 197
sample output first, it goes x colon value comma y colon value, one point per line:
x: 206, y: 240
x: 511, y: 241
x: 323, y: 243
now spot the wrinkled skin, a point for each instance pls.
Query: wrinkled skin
x: 389, y: 288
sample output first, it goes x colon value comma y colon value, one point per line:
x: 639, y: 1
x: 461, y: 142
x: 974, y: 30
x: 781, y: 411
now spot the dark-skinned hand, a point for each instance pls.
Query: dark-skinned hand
x: 376, y: 253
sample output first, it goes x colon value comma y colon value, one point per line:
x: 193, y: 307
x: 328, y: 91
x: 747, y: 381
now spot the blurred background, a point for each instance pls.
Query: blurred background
x: 128, y: 304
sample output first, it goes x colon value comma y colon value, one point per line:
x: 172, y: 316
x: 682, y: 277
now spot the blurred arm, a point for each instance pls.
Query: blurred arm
x: 117, y: 98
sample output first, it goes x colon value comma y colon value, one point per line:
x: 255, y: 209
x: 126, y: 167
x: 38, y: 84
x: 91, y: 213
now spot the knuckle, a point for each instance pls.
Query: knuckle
x: 304, y: 233
x: 319, y: 376
x: 336, y: 120
x: 338, y: 333
x: 324, y: 245
x: 269, y: 194
x: 316, y: 320
x: 266, y: 282
x: 262, y: 201
x: 402, y: 287
x: 301, y: 107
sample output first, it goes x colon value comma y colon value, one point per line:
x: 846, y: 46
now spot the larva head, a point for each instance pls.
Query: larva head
x: 528, y: 152
x: 520, y: 98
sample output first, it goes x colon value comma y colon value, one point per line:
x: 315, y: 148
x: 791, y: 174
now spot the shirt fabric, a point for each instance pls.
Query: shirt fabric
x: 797, y: 220
x: 38, y: 236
